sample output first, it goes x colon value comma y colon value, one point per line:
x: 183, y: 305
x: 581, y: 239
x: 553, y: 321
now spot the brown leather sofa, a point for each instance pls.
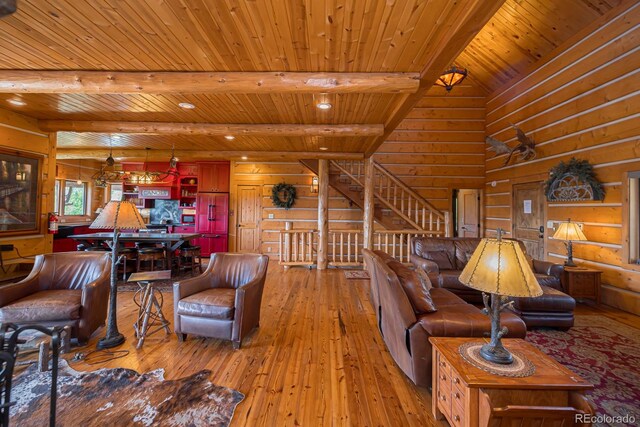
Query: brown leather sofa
x: 444, y: 259
x: 406, y: 326
x: 65, y: 288
x: 224, y: 301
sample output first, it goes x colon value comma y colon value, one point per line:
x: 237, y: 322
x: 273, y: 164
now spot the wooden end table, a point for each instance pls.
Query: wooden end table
x: 149, y: 301
x: 581, y: 282
x: 458, y: 386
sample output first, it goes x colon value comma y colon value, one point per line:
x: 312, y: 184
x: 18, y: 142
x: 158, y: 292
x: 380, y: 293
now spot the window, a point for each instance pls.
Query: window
x: 56, y: 197
x: 633, y: 217
x: 115, y: 191
x: 75, y: 198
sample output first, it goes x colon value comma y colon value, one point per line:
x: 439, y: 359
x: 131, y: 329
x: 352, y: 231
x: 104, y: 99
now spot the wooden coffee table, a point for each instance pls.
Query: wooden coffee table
x: 149, y: 301
x: 458, y: 385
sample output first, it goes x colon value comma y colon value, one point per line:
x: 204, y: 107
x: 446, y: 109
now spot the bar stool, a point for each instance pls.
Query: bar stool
x: 130, y: 255
x: 152, y: 255
x: 189, y: 255
x: 97, y: 249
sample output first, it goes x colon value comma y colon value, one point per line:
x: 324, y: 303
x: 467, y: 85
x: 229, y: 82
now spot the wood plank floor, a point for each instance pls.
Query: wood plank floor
x: 317, y: 358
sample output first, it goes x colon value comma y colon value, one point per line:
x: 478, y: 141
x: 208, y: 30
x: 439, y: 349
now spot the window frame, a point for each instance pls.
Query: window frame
x: 631, y: 221
x: 60, y: 191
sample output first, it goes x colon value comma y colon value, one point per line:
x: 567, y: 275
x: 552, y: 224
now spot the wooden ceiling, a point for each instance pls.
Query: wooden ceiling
x: 242, y: 63
x: 524, y: 31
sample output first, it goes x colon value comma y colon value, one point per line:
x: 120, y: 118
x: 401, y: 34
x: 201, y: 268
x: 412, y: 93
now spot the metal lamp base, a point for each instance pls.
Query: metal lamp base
x: 496, y: 354
x: 110, y: 341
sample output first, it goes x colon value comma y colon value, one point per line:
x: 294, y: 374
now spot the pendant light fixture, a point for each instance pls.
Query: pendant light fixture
x: 79, y: 181
x: 173, y: 162
x: 453, y: 76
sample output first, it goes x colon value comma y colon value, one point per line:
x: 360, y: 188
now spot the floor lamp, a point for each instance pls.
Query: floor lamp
x: 117, y: 215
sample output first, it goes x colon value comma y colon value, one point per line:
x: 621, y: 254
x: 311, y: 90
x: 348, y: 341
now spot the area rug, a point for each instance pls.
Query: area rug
x: 356, y: 274
x: 121, y: 397
x: 163, y: 285
x: 605, y: 353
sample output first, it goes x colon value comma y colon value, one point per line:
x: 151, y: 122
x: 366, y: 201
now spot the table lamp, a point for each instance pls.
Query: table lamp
x: 116, y: 215
x: 569, y: 231
x: 499, y: 267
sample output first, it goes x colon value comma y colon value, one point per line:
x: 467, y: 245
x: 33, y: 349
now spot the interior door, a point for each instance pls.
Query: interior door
x: 469, y: 213
x: 249, y: 215
x: 528, y: 217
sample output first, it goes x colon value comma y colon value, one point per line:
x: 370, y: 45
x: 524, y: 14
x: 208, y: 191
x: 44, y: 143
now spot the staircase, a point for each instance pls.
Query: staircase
x: 396, y: 206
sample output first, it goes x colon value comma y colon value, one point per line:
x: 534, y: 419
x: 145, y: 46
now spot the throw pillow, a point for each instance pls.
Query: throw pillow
x: 419, y: 296
x: 424, y: 278
x: 441, y: 258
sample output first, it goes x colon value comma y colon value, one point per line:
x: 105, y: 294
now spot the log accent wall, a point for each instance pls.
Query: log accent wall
x: 303, y: 215
x: 21, y: 133
x: 581, y: 101
x: 439, y: 146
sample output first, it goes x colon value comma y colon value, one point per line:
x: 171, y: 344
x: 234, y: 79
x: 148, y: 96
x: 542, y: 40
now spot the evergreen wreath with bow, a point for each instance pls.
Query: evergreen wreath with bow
x: 289, y: 193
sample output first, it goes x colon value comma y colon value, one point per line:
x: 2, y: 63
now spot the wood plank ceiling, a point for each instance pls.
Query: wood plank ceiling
x: 243, y: 37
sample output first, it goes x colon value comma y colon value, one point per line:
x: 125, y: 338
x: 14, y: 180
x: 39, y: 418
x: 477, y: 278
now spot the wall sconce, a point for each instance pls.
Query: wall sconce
x: 314, y: 184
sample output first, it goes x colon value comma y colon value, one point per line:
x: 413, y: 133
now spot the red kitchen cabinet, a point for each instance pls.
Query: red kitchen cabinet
x: 187, y: 169
x: 212, y: 213
x: 213, y: 177
x: 212, y: 244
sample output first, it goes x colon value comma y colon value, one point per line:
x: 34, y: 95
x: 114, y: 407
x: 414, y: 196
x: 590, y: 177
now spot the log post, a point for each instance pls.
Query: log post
x: 323, y: 213
x: 287, y: 243
x: 368, y: 203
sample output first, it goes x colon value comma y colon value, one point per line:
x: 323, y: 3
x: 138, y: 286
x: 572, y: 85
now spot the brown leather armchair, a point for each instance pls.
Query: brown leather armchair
x: 66, y: 288
x: 224, y: 301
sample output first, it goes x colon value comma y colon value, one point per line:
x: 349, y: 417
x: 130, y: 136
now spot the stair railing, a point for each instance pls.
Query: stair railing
x: 398, y: 197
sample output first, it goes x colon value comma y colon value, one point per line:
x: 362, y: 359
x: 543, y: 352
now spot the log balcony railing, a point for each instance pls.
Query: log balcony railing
x: 298, y: 247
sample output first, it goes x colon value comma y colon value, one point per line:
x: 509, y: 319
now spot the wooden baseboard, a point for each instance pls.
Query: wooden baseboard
x: 621, y: 299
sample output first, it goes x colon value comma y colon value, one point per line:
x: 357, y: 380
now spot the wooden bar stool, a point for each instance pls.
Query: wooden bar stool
x: 151, y: 255
x: 129, y: 262
x: 187, y: 258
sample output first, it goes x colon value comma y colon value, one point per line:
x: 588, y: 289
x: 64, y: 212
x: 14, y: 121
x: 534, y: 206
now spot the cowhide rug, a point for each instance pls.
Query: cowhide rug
x: 121, y: 397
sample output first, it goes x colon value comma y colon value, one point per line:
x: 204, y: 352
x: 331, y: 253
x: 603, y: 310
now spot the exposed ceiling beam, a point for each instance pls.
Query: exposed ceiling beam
x: 210, y: 129
x: 450, y: 44
x: 185, y: 155
x: 104, y: 82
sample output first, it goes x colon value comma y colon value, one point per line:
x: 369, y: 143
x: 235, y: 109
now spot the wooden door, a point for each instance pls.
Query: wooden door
x: 249, y: 212
x: 528, y: 217
x: 469, y: 213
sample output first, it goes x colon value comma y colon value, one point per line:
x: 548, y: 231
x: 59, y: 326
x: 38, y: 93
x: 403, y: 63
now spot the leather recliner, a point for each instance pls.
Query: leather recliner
x: 224, y: 301
x: 65, y: 288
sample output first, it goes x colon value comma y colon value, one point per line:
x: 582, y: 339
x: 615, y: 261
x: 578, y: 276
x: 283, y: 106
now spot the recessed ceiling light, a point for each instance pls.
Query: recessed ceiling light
x: 324, y: 105
x: 118, y: 158
x: 186, y: 105
x: 229, y: 137
x: 244, y: 157
x: 324, y: 148
x: 16, y: 102
x: 116, y: 137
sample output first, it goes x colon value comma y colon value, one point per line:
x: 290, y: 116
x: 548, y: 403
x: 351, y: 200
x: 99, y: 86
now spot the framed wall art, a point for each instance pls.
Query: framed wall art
x: 19, y: 193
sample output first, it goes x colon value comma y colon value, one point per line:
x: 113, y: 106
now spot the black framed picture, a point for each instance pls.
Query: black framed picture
x: 19, y: 193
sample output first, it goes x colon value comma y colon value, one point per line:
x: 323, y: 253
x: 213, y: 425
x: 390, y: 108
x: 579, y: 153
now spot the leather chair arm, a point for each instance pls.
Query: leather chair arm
x: 548, y: 268
x: 92, y: 301
x: 15, y: 291
x: 425, y: 264
x: 185, y: 288
x: 247, y: 304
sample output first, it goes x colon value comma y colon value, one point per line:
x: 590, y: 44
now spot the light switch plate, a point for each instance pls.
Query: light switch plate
x: 549, y: 224
x: 271, y: 216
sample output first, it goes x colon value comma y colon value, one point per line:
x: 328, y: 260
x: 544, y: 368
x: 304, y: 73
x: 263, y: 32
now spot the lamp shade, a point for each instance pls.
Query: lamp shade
x: 451, y: 77
x: 119, y: 215
x: 569, y: 231
x: 499, y: 266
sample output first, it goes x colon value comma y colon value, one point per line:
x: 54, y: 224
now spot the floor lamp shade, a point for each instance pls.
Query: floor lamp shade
x: 119, y: 215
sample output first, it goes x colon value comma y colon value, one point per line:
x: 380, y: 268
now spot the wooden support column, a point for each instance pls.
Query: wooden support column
x: 368, y: 203
x: 323, y: 213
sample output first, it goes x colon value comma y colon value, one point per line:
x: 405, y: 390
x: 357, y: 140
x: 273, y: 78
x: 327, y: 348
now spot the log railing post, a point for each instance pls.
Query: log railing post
x: 368, y: 203
x: 287, y: 242
x: 323, y: 213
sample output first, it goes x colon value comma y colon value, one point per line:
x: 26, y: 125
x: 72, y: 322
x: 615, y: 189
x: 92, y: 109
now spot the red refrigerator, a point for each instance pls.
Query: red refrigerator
x: 212, y: 221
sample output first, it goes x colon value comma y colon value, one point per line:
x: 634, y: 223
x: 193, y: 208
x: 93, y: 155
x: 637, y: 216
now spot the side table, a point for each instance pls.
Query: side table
x: 467, y: 396
x: 582, y: 282
x: 149, y: 301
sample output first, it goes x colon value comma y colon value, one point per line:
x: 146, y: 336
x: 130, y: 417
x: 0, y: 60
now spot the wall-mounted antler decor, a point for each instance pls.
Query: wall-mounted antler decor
x: 525, y: 149
x: 573, y: 181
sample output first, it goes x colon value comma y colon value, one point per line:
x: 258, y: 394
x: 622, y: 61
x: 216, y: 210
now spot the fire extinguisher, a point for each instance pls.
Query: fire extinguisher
x: 53, y: 223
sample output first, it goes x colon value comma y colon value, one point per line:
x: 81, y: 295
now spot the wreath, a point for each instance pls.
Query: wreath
x: 578, y: 175
x: 289, y: 193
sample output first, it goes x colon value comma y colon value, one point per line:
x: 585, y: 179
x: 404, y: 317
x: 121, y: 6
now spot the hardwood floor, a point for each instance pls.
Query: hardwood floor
x: 317, y: 358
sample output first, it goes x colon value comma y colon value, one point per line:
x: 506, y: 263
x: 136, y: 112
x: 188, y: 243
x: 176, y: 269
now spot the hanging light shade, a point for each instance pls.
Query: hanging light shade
x: 453, y: 76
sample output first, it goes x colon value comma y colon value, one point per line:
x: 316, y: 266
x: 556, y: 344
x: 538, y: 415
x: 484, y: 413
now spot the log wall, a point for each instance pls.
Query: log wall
x: 581, y: 101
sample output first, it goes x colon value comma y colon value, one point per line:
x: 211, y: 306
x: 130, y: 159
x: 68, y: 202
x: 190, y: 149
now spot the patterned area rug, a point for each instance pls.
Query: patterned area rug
x: 603, y: 352
x: 121, y: 397
x: 356, y: 274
